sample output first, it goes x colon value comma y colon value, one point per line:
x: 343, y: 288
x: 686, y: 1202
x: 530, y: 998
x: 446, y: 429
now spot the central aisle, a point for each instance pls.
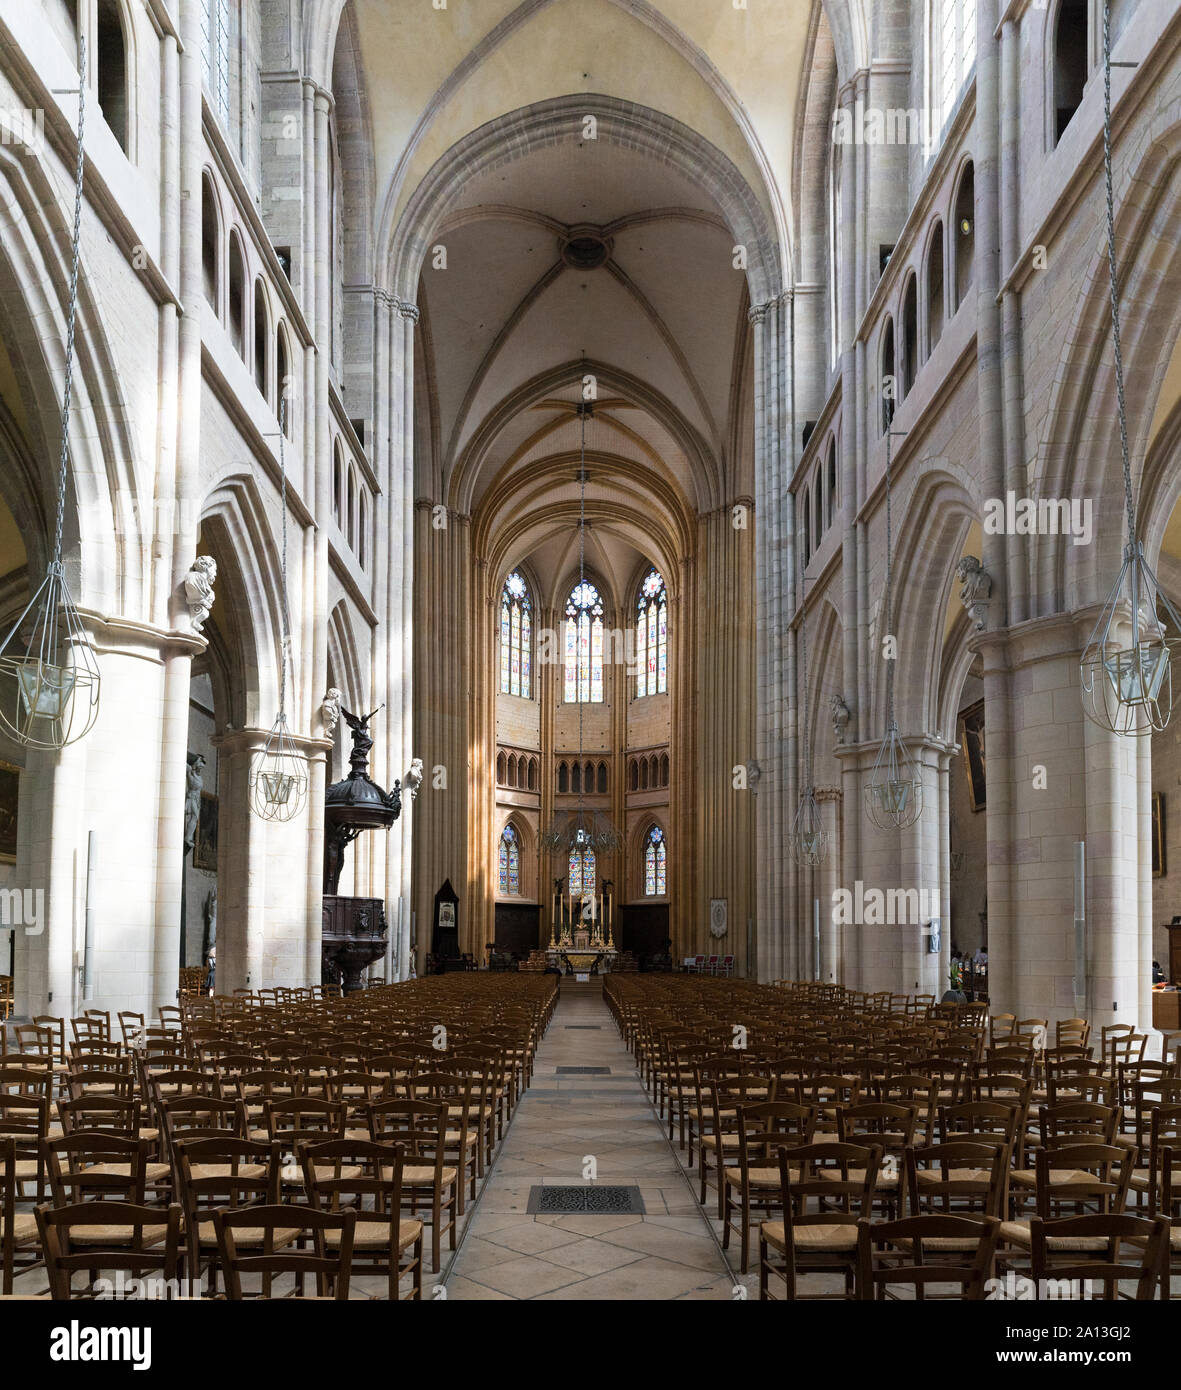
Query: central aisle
x: 669, y: 1253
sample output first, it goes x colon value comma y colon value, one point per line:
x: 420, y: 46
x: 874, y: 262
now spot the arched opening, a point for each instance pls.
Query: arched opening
x: 831, y: 469
x: 111, y: 71
x: 633, y: 776
x: 888, y: 376
x: 351, y: 511
x: 563, y: 778
x: 935, y: 280
x: 337, y: 483
x: 284, y: 384
x: 910, y: 336
x: 362, y: 528
x: 965, y: 235
x: 807, y: 510
x: 501, y: 769
x: 237, y: 295
x: 261, y: 340
x: 602, y: 782
x: 1070, y: 62
x: 210, y: 244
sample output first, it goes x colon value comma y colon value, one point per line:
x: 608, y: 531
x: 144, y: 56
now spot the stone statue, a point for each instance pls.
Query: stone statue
x: 753, y: 773
x: 330, y: 710
x: 193, y: 784
x: 841, y: 715
x: 975, y: 589
x: 362, y: 739
x: 209, y: 933
x: 413, y: 779
x: 199, y: 594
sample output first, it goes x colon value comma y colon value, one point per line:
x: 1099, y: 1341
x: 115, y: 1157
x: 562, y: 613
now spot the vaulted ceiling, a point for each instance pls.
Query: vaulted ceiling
x: 583, y: 258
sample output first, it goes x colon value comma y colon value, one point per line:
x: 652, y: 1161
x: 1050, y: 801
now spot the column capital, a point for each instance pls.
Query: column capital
x: 407, y: 310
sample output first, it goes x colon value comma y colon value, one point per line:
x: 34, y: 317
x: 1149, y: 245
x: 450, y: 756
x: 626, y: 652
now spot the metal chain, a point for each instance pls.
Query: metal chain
x: 1111, y: 266
x: 582, y: 596
x: 804, y: 662
x: 889, y: 576
x: 285, y: 635
x: 72, y: 311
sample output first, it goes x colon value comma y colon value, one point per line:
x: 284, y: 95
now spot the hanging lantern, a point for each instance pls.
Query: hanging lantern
x: 1126, y: 667
x: 278, y: 776
x: 808, y: 840
x: 279, y: 771
x: 894, y: 795
x: 49, y: 677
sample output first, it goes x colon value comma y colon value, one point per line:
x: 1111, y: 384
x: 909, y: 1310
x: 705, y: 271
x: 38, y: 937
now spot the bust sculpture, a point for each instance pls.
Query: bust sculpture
x: 330, y: 710
x: 841, y: 715
x: 199, y: 593
x: 975, y: 589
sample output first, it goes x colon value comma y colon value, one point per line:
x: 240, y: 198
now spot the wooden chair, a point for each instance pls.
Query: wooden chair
x: 823, y: 1240
x: 221, y: 1172
x: 1058, y: 1248
x: 286, y: 1239
x: 24, y: 1119
x: 894, y: 1252
x: 1073, y: 1177
x: 763, y: 1129
x: 360, y: 1176
x: 960, y: 1177
x: 429, y: 1182
x: 18, y: 1231
x: 890, y: 1126
x: 121, y: 1236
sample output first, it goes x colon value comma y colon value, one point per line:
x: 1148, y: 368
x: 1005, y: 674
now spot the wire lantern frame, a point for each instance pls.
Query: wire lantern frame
x: 894, y: 792
x: 808, y: 840
x: 49, y: 676
x: 1126, y: 669
x: 278, y: 781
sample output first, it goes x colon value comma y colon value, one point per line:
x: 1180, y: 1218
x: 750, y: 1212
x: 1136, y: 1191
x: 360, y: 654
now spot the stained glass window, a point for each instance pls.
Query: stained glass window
x: 510, y: 863
x: 516, y: 637
x: 655, y: 864
x: 584, y: 646
x: 652, y: 636
x: 582, y: 870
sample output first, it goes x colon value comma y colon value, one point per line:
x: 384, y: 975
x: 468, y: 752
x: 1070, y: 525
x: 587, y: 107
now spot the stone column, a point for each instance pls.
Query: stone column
x: 775, y: 550
x: 181, y: 546
x: 832, y: 946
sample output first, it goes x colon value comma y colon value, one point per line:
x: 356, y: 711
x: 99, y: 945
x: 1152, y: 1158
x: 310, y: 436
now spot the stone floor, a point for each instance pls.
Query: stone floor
x: 671, y: 1252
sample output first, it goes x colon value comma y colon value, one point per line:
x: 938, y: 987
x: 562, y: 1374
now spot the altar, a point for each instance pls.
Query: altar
x: 581, y: 941
x: 585, y: 954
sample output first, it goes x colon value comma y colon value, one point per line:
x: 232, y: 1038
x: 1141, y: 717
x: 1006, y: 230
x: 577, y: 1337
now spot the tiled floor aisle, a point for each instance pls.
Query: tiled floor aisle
x: 668, y: 1254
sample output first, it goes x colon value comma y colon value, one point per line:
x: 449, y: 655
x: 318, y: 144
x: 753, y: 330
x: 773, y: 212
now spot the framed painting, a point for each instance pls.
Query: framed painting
x: 205, y: 845
x: 10, y: 781
x: 1159, y: 866
x: 972, y: 743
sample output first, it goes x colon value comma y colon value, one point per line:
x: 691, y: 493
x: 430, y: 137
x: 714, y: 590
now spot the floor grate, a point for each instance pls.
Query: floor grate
x: 594, y: 1201
x: 583, y: 1071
